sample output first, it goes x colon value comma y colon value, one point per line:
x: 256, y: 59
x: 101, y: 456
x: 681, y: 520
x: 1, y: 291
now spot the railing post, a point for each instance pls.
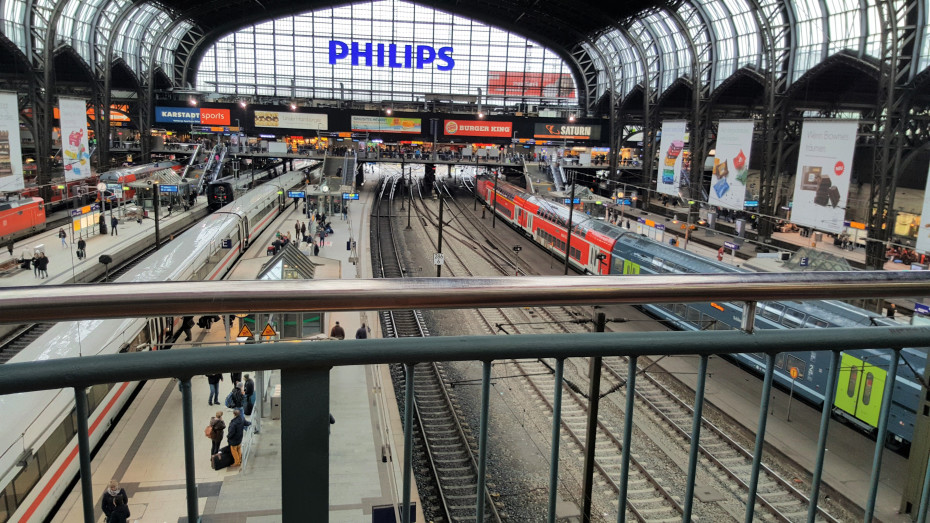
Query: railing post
x: 483, y: 437
x: 924, y: 496
x: 305, y: 445
x: 890, y: 378
x: 760, y: 436
x: 190, y: 471
x: 408, y: 440
x: 748, y: 322
x: 695, y: 438
x: 590, y: 440
x: 556, y: 426
x: 627, y: 437
x: 829, y: 395
x: 87, y: 487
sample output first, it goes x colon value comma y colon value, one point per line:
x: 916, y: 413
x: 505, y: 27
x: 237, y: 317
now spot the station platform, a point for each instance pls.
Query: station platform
x: 145, y: 450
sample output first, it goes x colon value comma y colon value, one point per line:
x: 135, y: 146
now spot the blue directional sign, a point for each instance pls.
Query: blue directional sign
x: 752, y: 203
x: 296, y: 194
x: 168, y: 188
x: 731, y: 245
x: 350, y: 196
x: 227, y: 243
x: 920, y: 308
x: 85, y: 209
x: 805, y: 261
x: 625, y: 201
x: 576, y: 201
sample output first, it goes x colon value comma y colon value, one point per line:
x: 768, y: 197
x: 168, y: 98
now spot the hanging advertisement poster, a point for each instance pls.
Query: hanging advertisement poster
x: 923, y: 234
x: 731, y: 164
x: 11, y: 156
x: 287, y: 120
x: 74, y: 152
x: 822, y: 180
x: 388, y: 124
x: 671, y: 157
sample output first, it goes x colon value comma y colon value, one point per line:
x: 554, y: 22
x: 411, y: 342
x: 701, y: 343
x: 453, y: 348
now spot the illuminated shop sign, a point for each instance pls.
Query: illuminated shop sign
x: 568, y: 132
x: 201, y: 115
x: 386, y: 124
x: 478, y: 128
x: 391, y: 55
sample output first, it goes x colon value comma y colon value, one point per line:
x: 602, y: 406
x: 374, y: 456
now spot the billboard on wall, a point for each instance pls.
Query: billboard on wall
x: 74, y: 152
x: 477, y: 128
x: 731, y: 164
x: 923, y: 234
x: 386, y: 124
x: 11, y: 155
x: 286, y: 120
x: 545, y: 85
x: 199, y: 115
x: 554, y: 131
x: 821, y: 183
x: 671, y: 157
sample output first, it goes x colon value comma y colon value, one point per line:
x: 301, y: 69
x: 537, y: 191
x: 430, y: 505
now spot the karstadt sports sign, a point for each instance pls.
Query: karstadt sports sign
x: 201, y: 115
x: 478, y: 128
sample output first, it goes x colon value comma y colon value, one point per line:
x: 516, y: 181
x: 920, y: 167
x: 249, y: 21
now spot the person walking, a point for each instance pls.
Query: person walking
x: 217, y: 426
x: 234, y: 437
x: 248, y: 393
x: 114, y: 221
x: 214, y: 381
x: 303, y: 232
x: 63, y: 237
x: 186, y: 325
x: 108, y: 504
x: 361, y: 333
x: 35, y: 265
x: 337, y: 332
x: 82, y: 246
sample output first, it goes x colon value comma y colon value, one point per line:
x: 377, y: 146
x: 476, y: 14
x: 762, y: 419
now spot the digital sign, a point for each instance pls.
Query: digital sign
x: 201, y: 115
x: 350, y: 196
x: 296, y: 194
x: 477, y: 128
x: 572, y: 132
x: 168, y: 188
x: 387, y: 124
x: 390, y: 55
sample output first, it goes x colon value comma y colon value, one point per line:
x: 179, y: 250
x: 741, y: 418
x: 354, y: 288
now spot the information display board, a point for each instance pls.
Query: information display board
x: 387, y: 124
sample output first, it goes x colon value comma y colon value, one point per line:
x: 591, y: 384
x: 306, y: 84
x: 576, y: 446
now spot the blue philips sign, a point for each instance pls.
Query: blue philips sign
x: 381, y: 55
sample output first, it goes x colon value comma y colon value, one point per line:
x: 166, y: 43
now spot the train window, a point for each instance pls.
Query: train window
x: 792, y: 321
x: 53, y: 446
x: 815, y: 323
x: 801, y: 365
x: 4, y: 509
x: 679, y: 309
x: 780, y: 361
x: 26, y: 479
x: 867, y: 390
x: 772, y: 311
x: 853, y: 379
x: 694, y: 316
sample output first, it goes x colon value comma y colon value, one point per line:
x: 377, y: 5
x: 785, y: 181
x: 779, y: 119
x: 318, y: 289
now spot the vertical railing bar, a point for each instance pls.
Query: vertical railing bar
x: 590, y: 439
x: 190, y: 471
x: 554, y: 452
x: 882, y: 433
x: 695, y: 439
x: 924, y: 496
x: 748, y: 321
x: 627, y: 437
x: 408, y: 440
x: 483, y: 438
x: 87, y: 486
x: 822, y: 437
x: 760, y: 436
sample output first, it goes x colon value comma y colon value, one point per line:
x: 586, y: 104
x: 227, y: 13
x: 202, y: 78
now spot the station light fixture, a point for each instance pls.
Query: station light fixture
x: 571, y: 118
x: 193, y: 101
x: 242, y: 104
x: 388, y: 111
x: 480, y: 115
x: 293, y: 106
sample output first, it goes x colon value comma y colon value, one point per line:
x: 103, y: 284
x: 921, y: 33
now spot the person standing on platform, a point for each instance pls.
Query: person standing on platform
x: 234, y: 437
x: 235, y: 377
x: 345, y: 211
x: 303, y: 232
x: 316, y: 249
x: 186, y: 325
x: 297, y: 228
x: 109, y: 498
x: 214, y: 381
x: 361, y: 333
x: 114, y: 221
x: 120, y: 513
x: 43, y: 265
x: 216, y: 437
x: 82, y: 245
x: 63, y: 237
x: 35, y: 265
x: 337, y: 332
x: 9, y: 247
x: 248, y: 393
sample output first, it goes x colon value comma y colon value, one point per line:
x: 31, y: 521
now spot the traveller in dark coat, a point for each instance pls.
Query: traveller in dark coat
x: 234, y: 437
x: 109, y: 498
x: 121, y: 513
x: 218, y: 427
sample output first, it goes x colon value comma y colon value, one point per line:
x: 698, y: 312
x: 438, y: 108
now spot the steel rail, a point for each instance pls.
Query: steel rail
x: 123, y: 300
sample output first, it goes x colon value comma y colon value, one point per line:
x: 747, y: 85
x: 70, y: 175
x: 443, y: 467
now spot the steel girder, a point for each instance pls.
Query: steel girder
x: 589, y: 74
x: 103, y: 146
x: 898, y: 28
x: 41, y: 22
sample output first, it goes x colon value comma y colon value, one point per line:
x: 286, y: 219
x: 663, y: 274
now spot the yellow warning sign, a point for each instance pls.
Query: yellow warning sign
x: 269, y: 330
x: 245, y: 332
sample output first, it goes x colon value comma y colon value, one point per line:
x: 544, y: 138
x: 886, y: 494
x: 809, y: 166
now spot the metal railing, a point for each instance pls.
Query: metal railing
x: 305, y: 366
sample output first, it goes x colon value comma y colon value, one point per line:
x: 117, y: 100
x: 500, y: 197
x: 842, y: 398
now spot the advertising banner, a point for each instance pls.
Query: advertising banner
x: 477, y: 128
x: 199, y: 115
x: 731, y: 164
x: 671, y: 157
x: 822, y: 179
x: 11, y: 155
x: 548, y: 85
x: 286, y: 120
x: 567, y: 131
x: 386, y: 124
x: 923, y: 234
x: 74, y: 152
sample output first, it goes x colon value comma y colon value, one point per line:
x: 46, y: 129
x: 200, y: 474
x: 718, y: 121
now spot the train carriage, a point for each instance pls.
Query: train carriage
x: 20, y: 218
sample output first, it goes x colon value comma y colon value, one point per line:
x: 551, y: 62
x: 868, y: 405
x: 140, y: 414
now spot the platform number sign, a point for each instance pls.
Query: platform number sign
x: 438, y: 258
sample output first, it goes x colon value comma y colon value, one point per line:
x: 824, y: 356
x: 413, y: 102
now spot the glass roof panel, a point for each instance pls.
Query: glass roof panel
x: 676, y: 55
x: 845, y: 29
x: 14, y: 12
x: 811, y: 39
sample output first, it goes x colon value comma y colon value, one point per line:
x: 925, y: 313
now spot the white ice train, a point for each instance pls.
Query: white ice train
x: 38, y: 446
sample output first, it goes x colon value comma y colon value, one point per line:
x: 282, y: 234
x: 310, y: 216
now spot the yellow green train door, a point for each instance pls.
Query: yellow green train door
x: 859, y: 389
x: 630, y: 267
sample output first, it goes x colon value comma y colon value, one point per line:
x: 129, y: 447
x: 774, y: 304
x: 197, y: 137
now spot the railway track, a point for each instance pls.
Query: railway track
x: 446, y: 445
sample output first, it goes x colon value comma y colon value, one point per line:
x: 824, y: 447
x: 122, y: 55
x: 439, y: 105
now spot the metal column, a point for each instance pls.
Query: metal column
x: 483, y: 438
x: 87, y: 487
x: 590, y: 440
x: 554, y: 452
x: 627, y: 437
x: 190, y: 470
x: 760, y: 436
x: 305, y: 445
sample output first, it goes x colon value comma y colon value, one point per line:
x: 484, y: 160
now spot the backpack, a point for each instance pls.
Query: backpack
x: 229, y: 400
x: 208, y: 432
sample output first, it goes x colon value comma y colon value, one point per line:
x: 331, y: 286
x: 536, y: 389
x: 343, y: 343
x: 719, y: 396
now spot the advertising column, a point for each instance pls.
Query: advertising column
x: 731, y: 164
x: 824, y: 167
x: 74, y: 152
x: 668, y: 177
x: 11, y: 156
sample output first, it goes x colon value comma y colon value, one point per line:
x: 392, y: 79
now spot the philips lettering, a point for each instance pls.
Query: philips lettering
x: 390, y: 55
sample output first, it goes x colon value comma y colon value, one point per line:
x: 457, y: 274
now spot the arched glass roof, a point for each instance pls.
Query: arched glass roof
x: 295, y: 56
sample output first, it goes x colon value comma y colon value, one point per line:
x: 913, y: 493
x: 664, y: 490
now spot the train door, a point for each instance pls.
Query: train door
x: 244, y: 232
x: 521, y: 217
x: 859, y: 389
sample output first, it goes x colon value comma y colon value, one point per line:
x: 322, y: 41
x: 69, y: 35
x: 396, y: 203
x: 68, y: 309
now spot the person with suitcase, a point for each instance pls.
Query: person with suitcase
x: 222, y: 459
x: 82, y: 245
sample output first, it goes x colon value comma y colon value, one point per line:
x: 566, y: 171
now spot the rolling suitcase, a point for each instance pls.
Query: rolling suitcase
x: 222, y: 459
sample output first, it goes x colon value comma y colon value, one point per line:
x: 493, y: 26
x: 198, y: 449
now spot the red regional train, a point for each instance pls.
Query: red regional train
x: 20, y: 218
x: 545, y: 221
